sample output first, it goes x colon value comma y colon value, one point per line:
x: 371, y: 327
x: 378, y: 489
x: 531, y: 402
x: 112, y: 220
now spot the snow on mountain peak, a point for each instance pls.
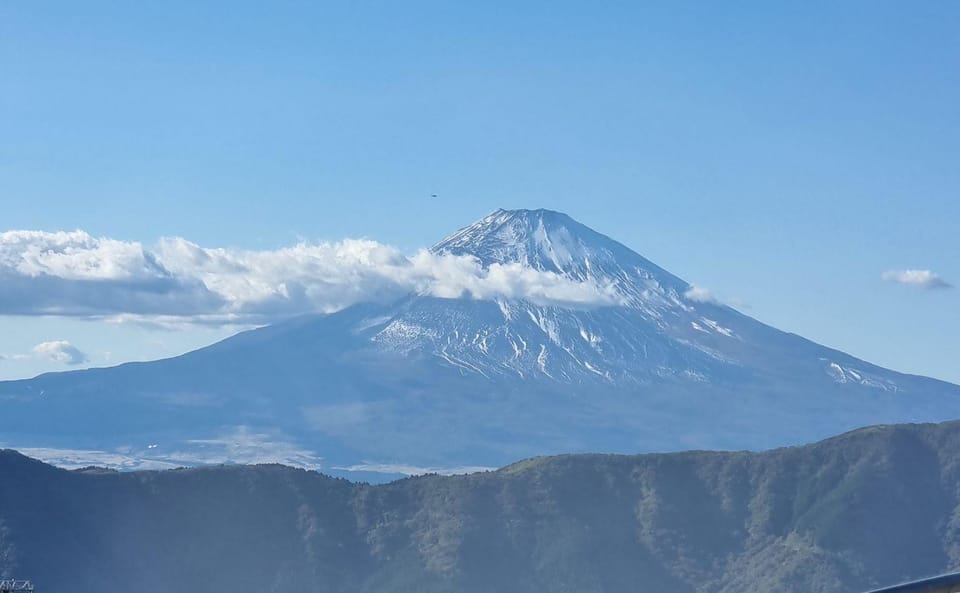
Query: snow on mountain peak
x: 651, y: 330
x: 552, y: 241
x: 542, y: 239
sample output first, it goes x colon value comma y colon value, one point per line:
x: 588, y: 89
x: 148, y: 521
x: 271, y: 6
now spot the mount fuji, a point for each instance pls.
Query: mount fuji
x: 425, y: 383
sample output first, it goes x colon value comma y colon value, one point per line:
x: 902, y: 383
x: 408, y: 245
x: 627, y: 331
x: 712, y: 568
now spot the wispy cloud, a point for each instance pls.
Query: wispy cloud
x: 699, y: 294
x: 61, y: 351
x: 237, y: 445
x: 76, y: 274
x: 925, y: 279
x: 82, y: 458
x: 240, y: 447
x: 414, y: 470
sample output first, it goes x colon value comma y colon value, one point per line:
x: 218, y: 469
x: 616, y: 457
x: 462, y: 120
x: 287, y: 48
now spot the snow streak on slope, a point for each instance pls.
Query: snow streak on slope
x: 653, y: 332
x: 614, y: 344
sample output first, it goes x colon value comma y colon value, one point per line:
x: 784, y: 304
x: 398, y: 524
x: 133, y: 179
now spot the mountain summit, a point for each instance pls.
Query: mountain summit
x: 516, y: 336
x: 429, y: 382
x: 553, y: 242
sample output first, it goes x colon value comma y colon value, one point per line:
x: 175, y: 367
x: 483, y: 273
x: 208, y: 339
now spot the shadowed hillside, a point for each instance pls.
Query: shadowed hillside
x: 867, y: 508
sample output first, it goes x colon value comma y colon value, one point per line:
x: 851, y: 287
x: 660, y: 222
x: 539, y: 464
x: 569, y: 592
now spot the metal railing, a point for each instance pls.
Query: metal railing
x: 948, y: 583
x: 10, y: 585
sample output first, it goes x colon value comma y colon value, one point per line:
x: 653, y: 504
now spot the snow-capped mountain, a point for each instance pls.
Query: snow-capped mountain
x: 430, y: 382
x: 554, y: 242
x: 657, y: 327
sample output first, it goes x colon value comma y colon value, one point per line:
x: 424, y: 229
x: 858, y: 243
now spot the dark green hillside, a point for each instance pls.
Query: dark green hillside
x: 860, y: 510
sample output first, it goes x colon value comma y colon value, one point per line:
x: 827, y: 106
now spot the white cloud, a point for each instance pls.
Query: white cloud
x: 414, y: 470
x: 698, y: 294
x: 75, y: 274
x: 241, y: 445
x: 61, y: 351
x: 76, y: 256
x: 919, y: 278
x: 237, y: 445
x: 82, y: 458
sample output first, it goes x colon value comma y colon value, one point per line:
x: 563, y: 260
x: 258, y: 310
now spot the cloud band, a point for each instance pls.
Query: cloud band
x: 76, y: 274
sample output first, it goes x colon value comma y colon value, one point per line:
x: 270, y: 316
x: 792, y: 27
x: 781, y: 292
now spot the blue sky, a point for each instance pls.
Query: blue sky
x: 785, y: 157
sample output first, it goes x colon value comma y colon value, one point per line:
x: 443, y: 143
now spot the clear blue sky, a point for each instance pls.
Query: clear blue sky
x: 780, y: 154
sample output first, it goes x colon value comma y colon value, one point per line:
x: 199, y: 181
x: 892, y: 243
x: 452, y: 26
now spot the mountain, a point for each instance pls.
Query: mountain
x: 866, y: 509
x: 645, y: 363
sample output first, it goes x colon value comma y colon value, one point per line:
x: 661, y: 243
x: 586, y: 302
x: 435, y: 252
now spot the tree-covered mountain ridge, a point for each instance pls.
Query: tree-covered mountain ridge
x: 867, y: 508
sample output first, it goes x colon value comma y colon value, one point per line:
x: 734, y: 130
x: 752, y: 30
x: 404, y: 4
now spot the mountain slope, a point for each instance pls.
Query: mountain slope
x: 865, y: 509
x: 447, y: 382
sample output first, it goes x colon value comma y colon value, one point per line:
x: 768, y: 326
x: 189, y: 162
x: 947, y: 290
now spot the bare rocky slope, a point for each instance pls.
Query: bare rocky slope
x: 867, y: 508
